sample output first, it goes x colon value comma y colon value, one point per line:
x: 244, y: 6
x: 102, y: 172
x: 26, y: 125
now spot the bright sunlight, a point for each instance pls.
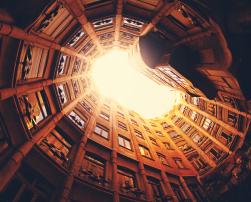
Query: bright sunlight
x: 115, y: 77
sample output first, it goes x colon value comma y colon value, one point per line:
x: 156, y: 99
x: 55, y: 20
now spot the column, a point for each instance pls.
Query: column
x: 118, y: 20
x: 169, y: 188
x: 198, y: 149
x: 77, y: 10
x: 114, y: 154
x: 77, y: 161
x: 221, y: 104
x: 17, y: 33
x: 224, y: 148
x: 141, y: 167
x: 215, y: 119
x: 33, y: 87
x: 9, y: 170
x: 186, y: 189
x: 115, y: 176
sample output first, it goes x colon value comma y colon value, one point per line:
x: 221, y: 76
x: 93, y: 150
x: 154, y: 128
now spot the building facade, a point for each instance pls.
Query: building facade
x: 60, y: 140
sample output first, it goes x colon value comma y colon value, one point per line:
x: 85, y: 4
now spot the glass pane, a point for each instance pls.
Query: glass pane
x: 104, y: 133
x: 127, y: 144
x: 121, y: 142
x: 97, y: 130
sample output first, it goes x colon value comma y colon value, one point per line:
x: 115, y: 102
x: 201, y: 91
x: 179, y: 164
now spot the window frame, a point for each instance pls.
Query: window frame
x: 125, y: 141
x: 104, y: 115
x: 144, y: 149
x: 102, y: 129
x: 163, y: 159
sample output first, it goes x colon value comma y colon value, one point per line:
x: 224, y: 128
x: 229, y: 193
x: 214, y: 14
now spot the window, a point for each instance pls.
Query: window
x: 177, y: 191
x: 179, y: 163
x: 32, y: 62
x: 144, y: 151
x: 94, y: 165
x: 207, y: 123
x: 127, y: 178
x: 76, y: 37
x: 182, y: 108
x: 138, y: 134
x: 104, y: 116
x: 231, y: 101
x: 26, y: 186
x: 226, y: 137
x: 86, y: 106
x: 185, y: 148
x: 215, y: 153
x: 193, y: 115
x: 102, y: 131
x: 61, y: 64
x: 93, y: 98
x: 134, y: 122
x: 185, y: 127
x: 211, y: 108
x: 173, y: 134
x: 53, y: 20
x: 195, y: 188
x: 232, y: 118
x: 87, y: 47
x: 56, y: 146
x: 155, y: 185
x: 163, y: 160
x: 196, y: 137
x: 124, y: 142
x: 153, y: 125
x: 159, y: 133
x: 153, y: 141
x: 167, y: 145
x: 77, y: 67
x: 76, y: 87
x: 131, y: 114
x: 176, y: 119
x: 147, y: 129
x: 103, y: 23
x: 34, y: 108
x: 199, y: 164
x: 61, y: 89
x: 106, y: 106
x: 165, y: 125
x: 195, y: 100
x: 121, y: 114
x: 131, y: 23
x: 77, y: 119
x: 122, y: 125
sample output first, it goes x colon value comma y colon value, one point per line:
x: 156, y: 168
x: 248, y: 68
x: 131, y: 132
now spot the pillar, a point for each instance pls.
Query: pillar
x: 9, y: 170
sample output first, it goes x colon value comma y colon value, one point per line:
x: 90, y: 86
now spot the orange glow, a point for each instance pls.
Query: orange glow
x: 115, y: 77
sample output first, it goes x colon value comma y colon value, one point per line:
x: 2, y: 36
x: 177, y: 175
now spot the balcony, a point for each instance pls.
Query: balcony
x: 92, y: 178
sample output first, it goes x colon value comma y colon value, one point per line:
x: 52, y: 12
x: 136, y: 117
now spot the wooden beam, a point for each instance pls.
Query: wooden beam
x: 5, y: 93
x: 196, y: 147
x: 164, y: 11
x: 76, y: 8
x: 17, y: 33
x: 14, y: 162
x: 215, y: 119
x: 118, y: 20
x: 205, y: 133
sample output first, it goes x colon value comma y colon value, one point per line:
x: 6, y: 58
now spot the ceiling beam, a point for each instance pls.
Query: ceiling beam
x: 164, y: 11
x: 76, y: 8
x: 118, y: 20
x: 17, y: 33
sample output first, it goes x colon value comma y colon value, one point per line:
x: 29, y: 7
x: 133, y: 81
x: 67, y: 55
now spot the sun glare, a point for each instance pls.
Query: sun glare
x: 114, y: 76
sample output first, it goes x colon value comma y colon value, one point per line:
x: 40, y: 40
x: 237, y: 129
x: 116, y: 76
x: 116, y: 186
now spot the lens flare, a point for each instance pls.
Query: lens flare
x: 114, y: 76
